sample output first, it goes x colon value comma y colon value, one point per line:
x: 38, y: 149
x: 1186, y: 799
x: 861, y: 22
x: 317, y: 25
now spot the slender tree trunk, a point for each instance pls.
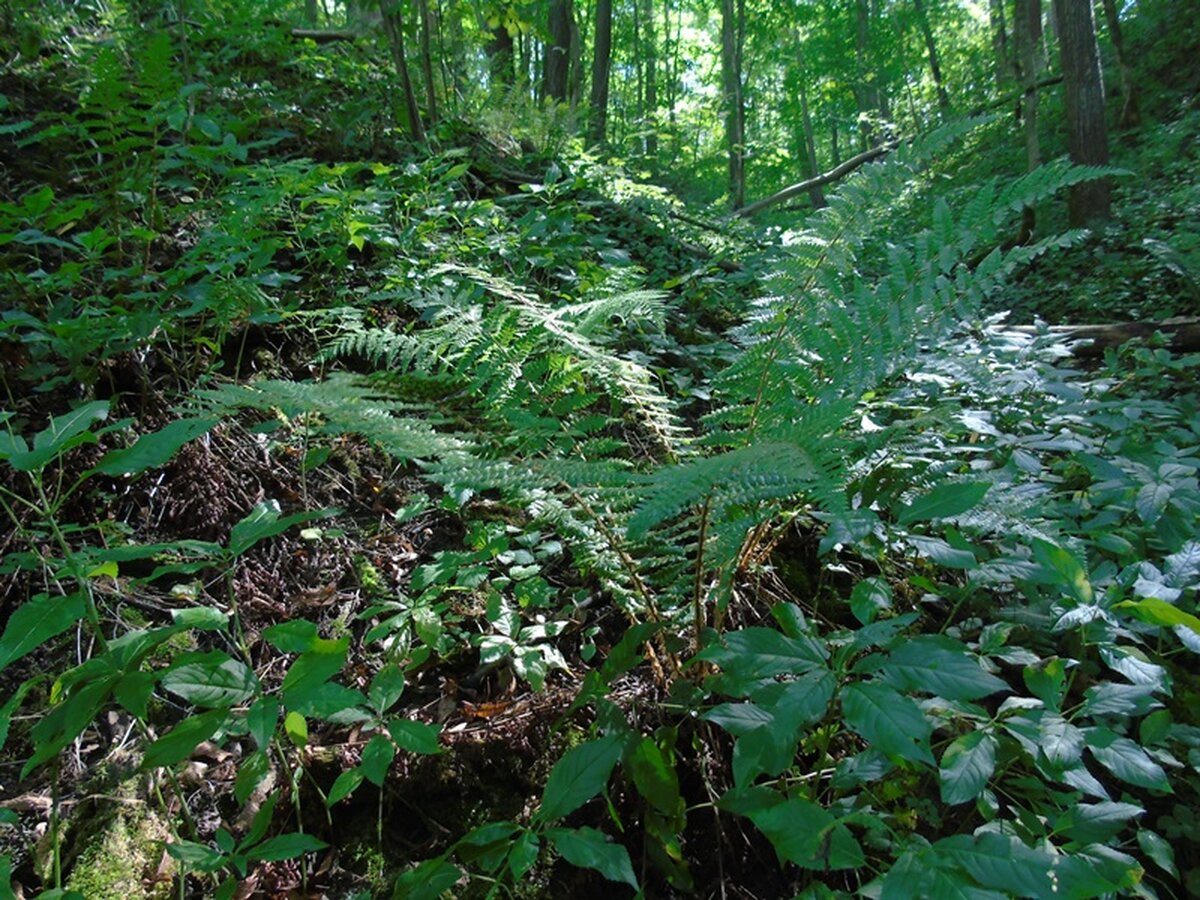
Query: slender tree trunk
x: 817, y: 194
x: 651, y: 83
x: 735, y: 116
x: 866, y: 91
x: 1130, y: 114
x: 999, y: 26
x: 639, y: 107
x: 427, y: 60
x: 935, y: 65
x: 1083, y: 93
x: 575, y: 79
x: 834, y: 150
x: 310, y: 13
x: 598, y: 122
x: 1027, y: 35
x: 394, y: 26
x: 558, y: 52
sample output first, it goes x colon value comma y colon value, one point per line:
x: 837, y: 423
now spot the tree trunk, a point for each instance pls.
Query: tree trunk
x: 1027, y: 34
x: 1000, y: 43
x: 427, y: 60
x: 651, y: 83
x: 558, y: 52
x: 935, y: 65
x: 575, y: 79
x: 393, y: 24
x: 310, y: 13
x: 816, y: 193
x: 600, y: 67
x: 501, y: 57
x: 1130, y: 115
x: 1083, y: 96
x: 735, y: 115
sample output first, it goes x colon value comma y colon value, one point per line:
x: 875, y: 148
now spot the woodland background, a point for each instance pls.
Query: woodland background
x: 457, y: 448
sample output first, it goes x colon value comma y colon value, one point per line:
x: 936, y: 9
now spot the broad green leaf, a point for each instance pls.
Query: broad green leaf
x: 1047, y: 681
x: 578, y: 776
x: 1091, y: 823
x: 214, y: 679
x: 1059, y: 740
x: 415, y: 737
x: 264, y: 521
x: 590, y: 849
x: 133, y: 692
x: 523, y: 854
x: 1125, y: 759
x: 758, y: 653
x: 11, y: 704
x: 36, y: 621
x: 64, y: 432
x: 427, y: 881
x: 870, y: 597
x: 377, y: 758
x: 204, y: 618
x: 1063, y: 569
x: 344, y: 785
x: 154, y: 449
x: 944, y: 502
x: 328, y: 701
x: 197, y: 856
x: 942, y: 553
x: 177, y: 745
x: 1158, y: 849
x: 940, y: 666
x: 386, y: 688
x: 887, y: 720
x: 316, y: 665
x: 295, y: 726
x: 967, y: 765
x: 295, y: 636
x: 1152, y: 500
x: 253, y: 768
x: 1002, y: 863
x: 261, y: 719
x: 1112, y: 699
x: 1159, y: 612
x: 284, y: 846
x: 739, y: 718
x: 808, y: 835
x: 654, y: 776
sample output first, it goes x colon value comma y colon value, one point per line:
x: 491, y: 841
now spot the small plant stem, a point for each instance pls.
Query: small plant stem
x: 698, y: 583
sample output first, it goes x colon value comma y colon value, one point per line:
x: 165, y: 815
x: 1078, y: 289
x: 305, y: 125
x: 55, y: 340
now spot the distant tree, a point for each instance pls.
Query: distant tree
x: 935, y: 64
x: 1130, y: 114
x: 733, y: 26
x: 558, y: 52
x: 601, y: 61
x: 393, y: 24
x: 1083, y: 95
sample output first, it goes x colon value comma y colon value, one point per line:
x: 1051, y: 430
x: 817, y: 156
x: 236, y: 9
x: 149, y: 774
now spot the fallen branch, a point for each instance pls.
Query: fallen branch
x: 1049, y: 81
x: 837, y: 172
x: 324, y: 37
x: 1184, y: 335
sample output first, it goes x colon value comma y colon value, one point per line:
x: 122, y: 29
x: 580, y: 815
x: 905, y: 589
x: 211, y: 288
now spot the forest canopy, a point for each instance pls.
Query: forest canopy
x: 541, y: 448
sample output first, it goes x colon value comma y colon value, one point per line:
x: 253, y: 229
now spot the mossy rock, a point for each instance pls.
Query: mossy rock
x: 124, y: 861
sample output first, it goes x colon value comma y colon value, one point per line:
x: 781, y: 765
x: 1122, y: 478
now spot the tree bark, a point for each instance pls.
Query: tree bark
x: 935, y: 65
x: 1027, y: 34
x: 1083, y: 93
x: 393, y: 24
x: 1130, y: 115
x: 427, y: 60
x: 575, y: 79
x: 735, y: 113
x: 1183, y: 334
x: 558, y: 52
x: 999, y: 26
x: 601, y: 61
x: 651, y: 114
x: 816, y: 193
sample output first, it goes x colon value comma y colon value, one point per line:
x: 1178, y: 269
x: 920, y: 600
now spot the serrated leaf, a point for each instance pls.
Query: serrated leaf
x: 940, y: 666
x: 1126, y: 760
x: 578, y: 776
x: 1110, y: 698
x: 944, y: 502
x: 215, y: 679
x: 1091, y: 823
x: 1059, y: 740
x: 415, y: 737
x: 590, y: 849
x: 36, y: 621
x: 758, y: 653
x: 967, y: 765
x: 1152, y: 500
x: 1002, y: 863
x: 739, y: 718
x: 887, y: 720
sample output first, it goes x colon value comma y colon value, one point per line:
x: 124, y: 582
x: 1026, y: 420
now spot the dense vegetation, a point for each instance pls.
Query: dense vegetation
x: 427, y: 470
